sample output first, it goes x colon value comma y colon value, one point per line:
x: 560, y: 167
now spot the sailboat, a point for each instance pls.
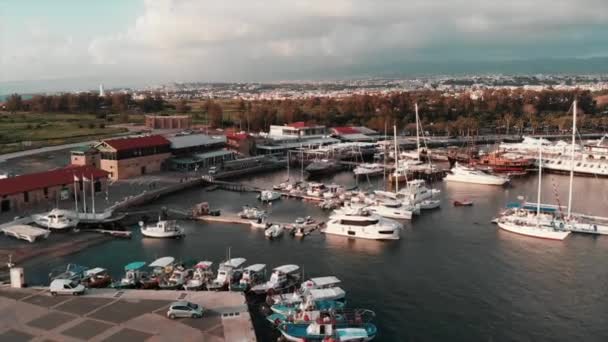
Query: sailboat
x: 535, y: 226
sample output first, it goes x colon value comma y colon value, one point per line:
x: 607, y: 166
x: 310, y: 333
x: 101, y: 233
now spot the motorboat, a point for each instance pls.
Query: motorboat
x: 229, y: 272
x: 260, y: 223
x: 314, y: 289
x: 463, y: 203
x: 391, y: 209
x: 133, y: 273
x: 70, y: 272
x: 429, y: 204
x: 269, y: 196
x: 96, y: 278
x: 322, y: 167
x: 368, y: 169
x: 57, y: 219
x: 282, y: 278
x: 203, y: 274
x: 463, y: 174
x: 275, y: 231
x: 178, y: 278
x: 252, y: 275
x: 300, y: 332
x: 361, y: 224
x: 251, y: 213
x: 309, y: 305
x: 162, y: 229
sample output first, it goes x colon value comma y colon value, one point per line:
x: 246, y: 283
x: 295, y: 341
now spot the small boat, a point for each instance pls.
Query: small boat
x: 71, y: 272
x: 269, y: 196
x: 322, y: 167
x: 252, y: 275
x: 275, y: 231
x: 463, y: 203
x: 162, y: 229
x: 178, y: 278
x: 314, y: 289
x: 260, y: 223
x: 367, y: 169
x: 203, y: 274
x: 58, y: 219
x: 161, y: 269
x: 282, y: 277
x: 96, y: 278
x: 308, y: 305
x: 228, y: 273
x: 300, y: 332
x: 251, y: 213
x: 132, y: 276
x: 429, y: 204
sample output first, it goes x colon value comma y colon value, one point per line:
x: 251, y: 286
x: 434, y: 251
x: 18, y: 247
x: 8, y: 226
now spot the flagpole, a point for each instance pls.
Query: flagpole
x: 92, y: 194
x: 75, y: 193
x: 84, y: 194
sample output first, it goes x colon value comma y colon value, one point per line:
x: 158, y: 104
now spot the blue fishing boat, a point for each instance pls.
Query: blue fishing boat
x: 133, y: 274
x: 321, y: 305
x: 300, y: 332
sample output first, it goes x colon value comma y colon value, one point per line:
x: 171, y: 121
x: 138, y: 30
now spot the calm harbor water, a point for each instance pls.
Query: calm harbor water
x: 452, y: 276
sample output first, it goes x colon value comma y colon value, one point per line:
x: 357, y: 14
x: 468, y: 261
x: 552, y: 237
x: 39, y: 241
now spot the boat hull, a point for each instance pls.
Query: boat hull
x: 481, y: 181
x: 360, y: 234
x: 161, y: 235
x: 531, y: 231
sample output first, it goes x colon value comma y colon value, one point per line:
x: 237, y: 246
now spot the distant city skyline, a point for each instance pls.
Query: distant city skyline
x: 69, y: 44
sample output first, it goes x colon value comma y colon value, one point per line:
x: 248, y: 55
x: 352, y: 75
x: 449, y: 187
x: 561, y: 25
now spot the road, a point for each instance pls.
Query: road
x: 19, y: 154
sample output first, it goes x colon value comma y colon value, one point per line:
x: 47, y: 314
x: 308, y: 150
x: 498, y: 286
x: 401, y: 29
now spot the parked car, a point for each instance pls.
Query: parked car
x: 66, y: 286
x: 184, y: 309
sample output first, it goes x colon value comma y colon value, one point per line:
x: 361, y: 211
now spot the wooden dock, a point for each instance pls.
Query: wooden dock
x: 26, y: 232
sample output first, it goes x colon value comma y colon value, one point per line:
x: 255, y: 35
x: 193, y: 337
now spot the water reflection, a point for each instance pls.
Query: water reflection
x: 370, y: 247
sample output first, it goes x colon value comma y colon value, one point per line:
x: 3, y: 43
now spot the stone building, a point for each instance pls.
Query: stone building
x: 168, y: 122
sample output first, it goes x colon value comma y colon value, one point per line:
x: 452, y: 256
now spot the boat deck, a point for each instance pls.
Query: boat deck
x: 127, y: 315
x: 26, y: 232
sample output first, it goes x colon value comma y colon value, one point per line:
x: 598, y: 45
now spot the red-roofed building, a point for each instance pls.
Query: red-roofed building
x: 345, y: 130
x: 19, y: 192
x: 241, y: 142
x: 134, y: 156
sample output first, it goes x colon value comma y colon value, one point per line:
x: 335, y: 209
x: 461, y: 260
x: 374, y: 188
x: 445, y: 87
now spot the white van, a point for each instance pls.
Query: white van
x: 66, y: 286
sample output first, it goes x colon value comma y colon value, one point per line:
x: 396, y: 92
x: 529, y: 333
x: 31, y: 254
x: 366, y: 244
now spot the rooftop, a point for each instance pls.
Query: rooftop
x: 192, y: 140
x: 40, y: 180
x: 137, y: 142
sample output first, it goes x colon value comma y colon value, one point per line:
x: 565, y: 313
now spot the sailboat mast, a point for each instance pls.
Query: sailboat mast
x: 417, y: 131
x: 396, y: 160
x: 92, y: 194
x: 540, y: 174
x: 384, y: 169
x: 572, y: 160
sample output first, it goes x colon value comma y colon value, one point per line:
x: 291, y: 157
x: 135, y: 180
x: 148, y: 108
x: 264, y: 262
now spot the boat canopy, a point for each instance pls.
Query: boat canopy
x: 204, y: 264
x: 287, y: 268
x: 324, y: 294
x: 135, y: 265
x: 94, y: 271
x: 255, y: 267
x: 235, y: 262
x: 325, y: 281
x: 351, y: 334
x: 162, y: 262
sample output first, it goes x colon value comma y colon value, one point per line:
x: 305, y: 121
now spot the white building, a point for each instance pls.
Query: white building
x: 297, y: 130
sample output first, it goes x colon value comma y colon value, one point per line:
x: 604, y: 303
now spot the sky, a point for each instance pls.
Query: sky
x: 136, y: 42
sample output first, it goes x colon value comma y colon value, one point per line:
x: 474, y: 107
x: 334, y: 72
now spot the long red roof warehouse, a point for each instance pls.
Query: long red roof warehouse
x: 121, y: 144
x: 47, y: 179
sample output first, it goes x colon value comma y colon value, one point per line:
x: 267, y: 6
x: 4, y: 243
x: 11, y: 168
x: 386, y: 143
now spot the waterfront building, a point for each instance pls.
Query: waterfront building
x: 297, y: 130
x: 85, y: 155
x: 188, y: 144
x: 168, y: 121
x: 201, y: 161
x: 134, y: 156
x: 355, y: 134
x: 20, y: 192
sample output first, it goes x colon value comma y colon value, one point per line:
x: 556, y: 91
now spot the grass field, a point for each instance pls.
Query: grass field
x: 26, y: 130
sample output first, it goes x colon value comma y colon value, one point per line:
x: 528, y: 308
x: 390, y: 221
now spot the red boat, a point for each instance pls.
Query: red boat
x: 97, y: 278
x: 465, y: 203
x: 499, y: 163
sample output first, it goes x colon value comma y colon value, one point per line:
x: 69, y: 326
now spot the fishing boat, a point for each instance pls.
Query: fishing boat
x: 251, y: 213
x: 228, y: 273
x: 162, y: 229
x: 252, y: 275
x: 180, y: 275
x: 301, y: 332
x: 362, y: 224
x: 260, y: 223
x: 274, y: 232
x: 161, y: 268
x: 285, y: 310
x: 57, y: 219
x: 203, y: 274
x: 96, y: 278
x: 133, y: 273
x: 269, y: 196
x: 463, y: 174
x: 282, y: 278
x: 314, y: 289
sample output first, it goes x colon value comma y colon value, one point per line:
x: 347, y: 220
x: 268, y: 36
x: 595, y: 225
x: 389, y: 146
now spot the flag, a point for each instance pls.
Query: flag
x: 76, y: 179
x: 85, y: 179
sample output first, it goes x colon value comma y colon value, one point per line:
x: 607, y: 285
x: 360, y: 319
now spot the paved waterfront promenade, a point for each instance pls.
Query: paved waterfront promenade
x: 32, y: 314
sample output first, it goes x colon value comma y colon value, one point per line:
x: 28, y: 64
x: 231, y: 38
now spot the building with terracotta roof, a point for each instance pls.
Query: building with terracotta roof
x: 168, y: 121
x: 134, y: 156
x: 20, y: 192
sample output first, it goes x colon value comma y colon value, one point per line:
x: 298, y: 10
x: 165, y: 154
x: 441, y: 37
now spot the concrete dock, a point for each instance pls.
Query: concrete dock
x: 126, y: 315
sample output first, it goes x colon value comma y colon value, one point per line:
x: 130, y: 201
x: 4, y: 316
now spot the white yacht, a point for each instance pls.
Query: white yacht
x: 57, y: 219
x: 368, y: 169
x: 580, y: 165
x: 269, y: 196
x: 532, y: 229
x: 463, y: 174
x: 362, y: 224
x: 162, y: 229
x: 416, y: 191
x: 391, y: 209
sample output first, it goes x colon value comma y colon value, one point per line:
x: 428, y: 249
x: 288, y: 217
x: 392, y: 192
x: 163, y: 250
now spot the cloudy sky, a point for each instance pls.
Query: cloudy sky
x: 123, y: 42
